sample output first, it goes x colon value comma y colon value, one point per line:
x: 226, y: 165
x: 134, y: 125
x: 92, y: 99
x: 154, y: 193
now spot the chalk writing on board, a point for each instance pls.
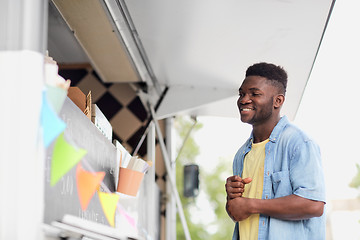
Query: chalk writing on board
x: 67, y: 183
x: 92, y: 216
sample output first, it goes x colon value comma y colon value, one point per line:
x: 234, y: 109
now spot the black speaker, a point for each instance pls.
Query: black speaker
x: 191, y: 180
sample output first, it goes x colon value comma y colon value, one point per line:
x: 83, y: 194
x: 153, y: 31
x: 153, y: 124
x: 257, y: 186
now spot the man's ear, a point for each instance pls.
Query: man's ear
x: 279, y: 101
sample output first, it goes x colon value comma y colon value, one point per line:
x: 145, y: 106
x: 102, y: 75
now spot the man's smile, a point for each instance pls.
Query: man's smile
x: 246, y: 109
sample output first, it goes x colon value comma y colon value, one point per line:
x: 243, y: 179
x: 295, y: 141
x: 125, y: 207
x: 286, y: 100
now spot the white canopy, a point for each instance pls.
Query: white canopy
x: 200, y: 49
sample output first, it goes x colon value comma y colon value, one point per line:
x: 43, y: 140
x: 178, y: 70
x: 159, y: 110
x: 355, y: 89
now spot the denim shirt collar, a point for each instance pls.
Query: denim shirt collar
x: 274, y: 136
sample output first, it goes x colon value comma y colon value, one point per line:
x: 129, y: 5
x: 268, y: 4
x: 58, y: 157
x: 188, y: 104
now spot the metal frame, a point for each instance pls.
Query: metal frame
x: 170, y: 176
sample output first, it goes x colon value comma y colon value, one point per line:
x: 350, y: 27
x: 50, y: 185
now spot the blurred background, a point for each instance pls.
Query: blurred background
x: 329, y: 112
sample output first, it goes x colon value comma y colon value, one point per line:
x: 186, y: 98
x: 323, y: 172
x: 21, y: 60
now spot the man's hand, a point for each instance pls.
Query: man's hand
x: 235, y: 186
x: 234, y: 189
x: 238, y: 208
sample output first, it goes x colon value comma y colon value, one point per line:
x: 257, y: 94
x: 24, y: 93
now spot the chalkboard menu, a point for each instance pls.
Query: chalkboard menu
x: 101, y: 156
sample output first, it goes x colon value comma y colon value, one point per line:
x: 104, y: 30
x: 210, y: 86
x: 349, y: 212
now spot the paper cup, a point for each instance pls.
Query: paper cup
x: 129, y: 181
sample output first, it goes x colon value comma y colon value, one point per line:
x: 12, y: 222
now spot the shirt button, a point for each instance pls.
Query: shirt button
x: 268, y: 173
x: 266, y: 197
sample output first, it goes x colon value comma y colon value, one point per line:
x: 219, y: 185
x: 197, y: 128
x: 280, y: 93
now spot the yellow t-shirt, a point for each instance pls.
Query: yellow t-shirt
x: 253, y: 168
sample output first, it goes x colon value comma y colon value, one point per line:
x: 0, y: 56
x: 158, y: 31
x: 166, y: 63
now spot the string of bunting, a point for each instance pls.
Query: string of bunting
x: 65, y: 156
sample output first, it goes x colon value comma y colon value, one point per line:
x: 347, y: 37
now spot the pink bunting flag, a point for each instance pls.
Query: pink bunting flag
x: 128, y: 218
x: 109, y: 203
x: 87, y: 184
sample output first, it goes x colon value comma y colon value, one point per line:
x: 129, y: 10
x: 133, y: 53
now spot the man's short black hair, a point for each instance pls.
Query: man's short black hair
x: 276, y: 74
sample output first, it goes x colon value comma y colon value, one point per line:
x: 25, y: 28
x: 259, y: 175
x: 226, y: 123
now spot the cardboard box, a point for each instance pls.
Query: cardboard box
x: 78, y: 97
x: 81, y: 100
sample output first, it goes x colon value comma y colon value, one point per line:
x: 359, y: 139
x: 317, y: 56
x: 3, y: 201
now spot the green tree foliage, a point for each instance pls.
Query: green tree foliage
x: 187, y: 155
x: 355, y: 182
x: 212, y: 184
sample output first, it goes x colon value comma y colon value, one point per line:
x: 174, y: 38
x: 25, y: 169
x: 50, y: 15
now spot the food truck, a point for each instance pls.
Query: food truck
x: 90, y: 88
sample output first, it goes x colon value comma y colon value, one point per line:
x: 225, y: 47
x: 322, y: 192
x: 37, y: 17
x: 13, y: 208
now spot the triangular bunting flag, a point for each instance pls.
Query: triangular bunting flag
x: 52, y: 125
x: 64, y: 157
x: 87, y: 183
x: 130, y: 220
x: 109, y: 203
x: 56, y: 96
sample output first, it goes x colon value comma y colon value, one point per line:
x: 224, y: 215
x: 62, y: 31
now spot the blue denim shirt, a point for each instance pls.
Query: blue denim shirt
x: 292, y: 166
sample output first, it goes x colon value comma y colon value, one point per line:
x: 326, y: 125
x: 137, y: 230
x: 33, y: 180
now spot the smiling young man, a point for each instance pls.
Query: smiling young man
x: 278, y: 190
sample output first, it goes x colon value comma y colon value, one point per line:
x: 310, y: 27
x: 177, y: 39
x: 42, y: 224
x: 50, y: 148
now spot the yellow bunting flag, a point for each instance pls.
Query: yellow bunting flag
x: 109, y: 203
x: 87, y: 184
x: 64, y: 157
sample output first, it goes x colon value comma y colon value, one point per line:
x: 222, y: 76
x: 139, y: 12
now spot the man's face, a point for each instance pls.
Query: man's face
x: 256, y: 100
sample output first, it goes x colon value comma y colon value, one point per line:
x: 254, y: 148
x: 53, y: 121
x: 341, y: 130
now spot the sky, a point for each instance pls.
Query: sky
x: 329, y: 112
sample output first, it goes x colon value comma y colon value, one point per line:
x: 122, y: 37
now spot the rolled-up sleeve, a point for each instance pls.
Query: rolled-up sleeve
x: 306, y: 173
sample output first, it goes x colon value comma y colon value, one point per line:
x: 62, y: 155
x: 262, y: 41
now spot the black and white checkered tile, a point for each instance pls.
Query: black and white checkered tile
x: 119, y: 103
x: 121, y: 106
